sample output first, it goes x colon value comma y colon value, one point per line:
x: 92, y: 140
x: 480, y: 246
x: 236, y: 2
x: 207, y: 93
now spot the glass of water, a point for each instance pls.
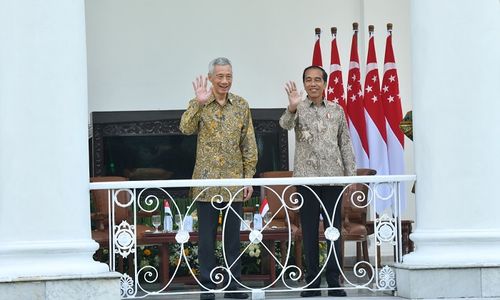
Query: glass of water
x: 156, y: 220
x: 178, y: 221
x: 248, y: 218
x: 267, y: 217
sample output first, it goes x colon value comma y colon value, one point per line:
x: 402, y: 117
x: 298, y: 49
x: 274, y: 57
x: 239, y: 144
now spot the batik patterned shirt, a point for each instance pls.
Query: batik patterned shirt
x: 226, y: 146
x: 322, y: 142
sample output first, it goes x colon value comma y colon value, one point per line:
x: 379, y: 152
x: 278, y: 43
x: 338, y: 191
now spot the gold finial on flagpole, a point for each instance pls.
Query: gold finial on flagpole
x: 355, y: 26
x: 334, y: 31
x: 371, y: 28
x: 317, y: 31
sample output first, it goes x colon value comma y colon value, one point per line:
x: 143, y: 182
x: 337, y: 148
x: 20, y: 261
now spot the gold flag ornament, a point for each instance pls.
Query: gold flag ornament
x: 406, y: 125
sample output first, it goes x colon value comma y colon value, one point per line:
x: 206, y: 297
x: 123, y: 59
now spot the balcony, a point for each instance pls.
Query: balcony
x: 280, y: 270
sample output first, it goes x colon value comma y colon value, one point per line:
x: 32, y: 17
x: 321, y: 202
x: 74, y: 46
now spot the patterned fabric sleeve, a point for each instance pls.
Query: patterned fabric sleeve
x: 190, y: 118
x: 287, y: 119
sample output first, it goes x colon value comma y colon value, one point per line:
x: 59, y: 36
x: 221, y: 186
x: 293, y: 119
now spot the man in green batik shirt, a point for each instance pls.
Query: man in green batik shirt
x: 226, y: 148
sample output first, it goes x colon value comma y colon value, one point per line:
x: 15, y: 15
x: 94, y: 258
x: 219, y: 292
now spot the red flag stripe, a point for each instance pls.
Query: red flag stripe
x: 335, y: 89
x: 317, y: 60
x: 390, y: 92
x: 393, y: 115
x: 355, y: 107
x: 373, y: 103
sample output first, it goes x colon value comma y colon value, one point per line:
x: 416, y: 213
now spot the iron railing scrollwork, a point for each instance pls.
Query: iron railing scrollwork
x: 140, y: 281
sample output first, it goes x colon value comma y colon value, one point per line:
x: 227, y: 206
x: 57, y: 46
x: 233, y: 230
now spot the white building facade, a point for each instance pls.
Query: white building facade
x: 58, y: 62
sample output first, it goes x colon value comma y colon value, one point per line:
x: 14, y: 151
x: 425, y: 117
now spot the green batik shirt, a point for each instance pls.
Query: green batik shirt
x: 226, y: 146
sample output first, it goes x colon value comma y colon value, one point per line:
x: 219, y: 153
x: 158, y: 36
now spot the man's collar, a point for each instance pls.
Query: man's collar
x: 230, y: 98
x: 311, y: 103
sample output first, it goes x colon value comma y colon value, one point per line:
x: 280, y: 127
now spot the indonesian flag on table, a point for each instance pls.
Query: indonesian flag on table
x: 166, y: 207
x: 393, y: 113
x: 355, y: 106
x: 335, y: 90
x: 264, y: 207
x: 375, y: 119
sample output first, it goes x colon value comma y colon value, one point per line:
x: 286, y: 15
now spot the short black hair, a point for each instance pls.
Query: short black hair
x: 325, y: 76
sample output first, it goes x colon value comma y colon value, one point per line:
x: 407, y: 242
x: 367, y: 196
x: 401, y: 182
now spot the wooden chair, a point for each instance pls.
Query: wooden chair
x: 354, y: 227
x: 280, y: 220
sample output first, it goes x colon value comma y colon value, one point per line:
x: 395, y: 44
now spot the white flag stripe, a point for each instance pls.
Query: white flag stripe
x: 396, y: 162
x: 377, y: 146
x: 378, y: 161
x: 389, y: 66
x: 353, y: 65
x: 362, y: 160
x: 370, y: 67
x: 335, y: 67
x: 397, y: 153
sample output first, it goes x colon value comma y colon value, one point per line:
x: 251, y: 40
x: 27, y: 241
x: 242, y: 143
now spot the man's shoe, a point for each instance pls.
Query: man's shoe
x: 337, y: 293
x: 236, y: 295
x: 207, y: 296
x: 310, y: 294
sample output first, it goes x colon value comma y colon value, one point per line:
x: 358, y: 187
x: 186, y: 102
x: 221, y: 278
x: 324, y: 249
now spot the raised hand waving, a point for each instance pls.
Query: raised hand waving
x: 294, y: 97
x: 200, y: 89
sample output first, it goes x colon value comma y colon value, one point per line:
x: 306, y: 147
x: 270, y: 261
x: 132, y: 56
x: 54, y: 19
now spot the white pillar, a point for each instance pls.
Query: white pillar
x: 456, y: 75
x: 44, y: 197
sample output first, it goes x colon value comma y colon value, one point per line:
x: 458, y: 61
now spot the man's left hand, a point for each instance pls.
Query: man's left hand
x: 247, y: 192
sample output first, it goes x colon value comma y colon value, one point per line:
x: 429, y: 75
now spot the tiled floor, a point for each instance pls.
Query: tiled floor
x: 191, y: 293
x: 282, y: 296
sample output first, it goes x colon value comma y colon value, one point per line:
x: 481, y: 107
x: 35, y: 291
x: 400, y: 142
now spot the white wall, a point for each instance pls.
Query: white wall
x: 143, y: 55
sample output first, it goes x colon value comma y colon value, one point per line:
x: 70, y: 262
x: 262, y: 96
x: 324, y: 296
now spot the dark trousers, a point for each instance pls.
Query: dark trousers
x: 208, y: 218
x: 309, y: 218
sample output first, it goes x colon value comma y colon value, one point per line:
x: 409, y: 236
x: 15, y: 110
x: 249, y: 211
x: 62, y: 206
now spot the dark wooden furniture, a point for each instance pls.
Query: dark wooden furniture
x: 273, y: 194
x: 268, y: 237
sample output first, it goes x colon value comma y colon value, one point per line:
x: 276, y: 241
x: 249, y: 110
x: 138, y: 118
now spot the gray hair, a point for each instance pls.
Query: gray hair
x: 219, y: 61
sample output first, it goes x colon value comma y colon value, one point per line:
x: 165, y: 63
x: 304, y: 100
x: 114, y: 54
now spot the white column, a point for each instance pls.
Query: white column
x: 456, y: 76
x: 44, y: 197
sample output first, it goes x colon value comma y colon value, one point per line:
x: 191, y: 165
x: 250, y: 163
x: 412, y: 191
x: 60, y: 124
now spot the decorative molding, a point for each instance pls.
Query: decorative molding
x: 157, y: 123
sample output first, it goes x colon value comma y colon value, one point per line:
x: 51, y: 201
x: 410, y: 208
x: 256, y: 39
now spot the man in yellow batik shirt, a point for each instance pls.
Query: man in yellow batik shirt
x: 226, y: 148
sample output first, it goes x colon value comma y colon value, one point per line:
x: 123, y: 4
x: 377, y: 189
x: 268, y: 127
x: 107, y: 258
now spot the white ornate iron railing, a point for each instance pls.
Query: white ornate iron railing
x: 143, y: 280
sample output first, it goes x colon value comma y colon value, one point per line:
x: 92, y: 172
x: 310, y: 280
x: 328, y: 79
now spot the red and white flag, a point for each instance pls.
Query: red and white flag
x: 316, y: 60
x: 166, y: 207
x: 264, y: 207
x: 335, y: 90
x: 375, y: 118
x: 355, y: 106
x: 393, y: 112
